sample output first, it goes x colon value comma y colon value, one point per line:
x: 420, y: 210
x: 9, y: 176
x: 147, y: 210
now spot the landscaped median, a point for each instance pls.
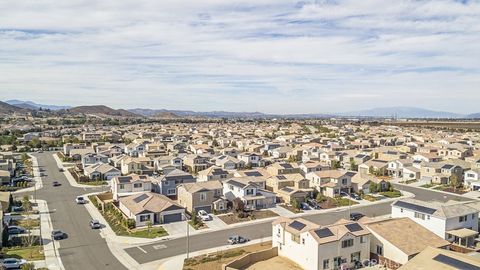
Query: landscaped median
x: 232, y: 218
x: 121, y: 225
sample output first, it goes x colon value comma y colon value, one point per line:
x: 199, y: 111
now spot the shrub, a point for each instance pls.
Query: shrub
x: 131, y: 223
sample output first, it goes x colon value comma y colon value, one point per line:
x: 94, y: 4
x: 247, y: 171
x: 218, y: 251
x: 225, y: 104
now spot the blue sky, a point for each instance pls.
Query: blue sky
x: 265, y: 55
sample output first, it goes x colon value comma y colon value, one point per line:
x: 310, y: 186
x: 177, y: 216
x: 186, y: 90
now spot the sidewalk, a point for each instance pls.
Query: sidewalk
x: 50, y: 249
x: 36, y: 176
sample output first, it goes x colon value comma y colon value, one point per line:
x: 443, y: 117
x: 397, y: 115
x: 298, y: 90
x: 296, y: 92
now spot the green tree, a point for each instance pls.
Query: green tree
x: 149, y: 226
x: 195, y: 219
x: 295, y: 203
x: 353, y: 165
x: 28, y: 266
x: 373, y: 187
x: 27, y: 205
x: 454, y: 182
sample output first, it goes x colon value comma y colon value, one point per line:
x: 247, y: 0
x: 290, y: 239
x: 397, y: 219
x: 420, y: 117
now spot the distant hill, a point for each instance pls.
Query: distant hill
x: 34, y: 106
x: 213, y: 114
x: 402, y: 112
x: 6, y: 108
x: 165, y: 115
x: 473, y: 115
x: 101, y: 110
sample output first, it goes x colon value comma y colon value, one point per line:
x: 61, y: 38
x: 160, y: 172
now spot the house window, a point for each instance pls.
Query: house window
x: 122, y: 186
x: 401, y: 210
x: 419, y: 215
x: 326, y: 264
x: 379, y: 250
x: 347, y: 243
x: 144, y: 218
x: 137, y: 185
x: 303, y: 241
x: 473, y: 216
x: 296, y: 238
x: 249, y: 191
x: 344, y: 181
x: 203, y: 196
x: 462, y: 218
x: 230, y: 187
x: 363, y: 239
x: 171, y: 191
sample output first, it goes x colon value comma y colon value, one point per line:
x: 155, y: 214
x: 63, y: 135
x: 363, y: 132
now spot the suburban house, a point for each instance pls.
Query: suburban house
x: 213, y: 173
x: 251, y: 159
x: 131, y: 184
x: 4, y: 177
x: 228, y: 162
x: 472, y: 179
x: 456, y: 222
x: 282, y: 168
x: 69, y: 146
x: 137, y: 165
x: 316, y: 247
x: 331, y: 182
x: 195, y: 163
x: 202, y: 196
x: 151, y: 207
x: 441, y: 259
x: 395, y: 241
x: 167, y: 184
x: 93, y: 158
x: 166, y: 164
x: 361, y: 183
x: 101, y: 171
x: 372, y: 166
x: 312, y: 166
x: 252, y: 194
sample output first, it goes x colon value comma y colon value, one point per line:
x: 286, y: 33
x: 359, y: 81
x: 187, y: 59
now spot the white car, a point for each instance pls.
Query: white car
x: 204, y: 215
x: 13, y: 263
x: 80, y: 200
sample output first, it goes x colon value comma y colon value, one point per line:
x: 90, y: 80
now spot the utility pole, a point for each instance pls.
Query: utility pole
x: 188, y: 239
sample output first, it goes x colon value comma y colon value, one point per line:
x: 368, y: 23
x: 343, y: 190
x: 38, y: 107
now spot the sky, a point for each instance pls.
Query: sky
x: 271, y: 56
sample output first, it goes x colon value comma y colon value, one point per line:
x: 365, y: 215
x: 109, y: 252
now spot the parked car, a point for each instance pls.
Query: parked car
x: 313, y: 204
x: 17, y: 209
x: 204, y: 215
x: 13, y: 263
x: 56, y: 184
x: 237, y: 239
x: 95, y: 224
x: 61, y: 170
x: 344, y: 194
x: 58, y: 235
x: 16, y: 230
x: 304, y: 206
x: 356, y: 216
x: 40, y: 151
x: 355, y: 196
x: 80, y: 200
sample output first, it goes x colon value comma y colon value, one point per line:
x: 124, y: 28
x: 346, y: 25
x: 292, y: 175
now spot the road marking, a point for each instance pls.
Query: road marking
x: 159, y: 247
x: 142, y: 249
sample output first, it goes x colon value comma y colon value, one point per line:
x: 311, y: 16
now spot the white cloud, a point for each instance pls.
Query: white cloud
x: 242, y: 55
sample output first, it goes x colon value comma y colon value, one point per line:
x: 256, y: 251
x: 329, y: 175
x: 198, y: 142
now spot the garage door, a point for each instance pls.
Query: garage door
x: 208, y: 208
x: 172, y: 218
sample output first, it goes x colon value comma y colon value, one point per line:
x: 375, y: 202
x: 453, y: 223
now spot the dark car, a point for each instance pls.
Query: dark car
x: 304, y: 206
x: 355, y: 196
x: 95, y: 224
x: 56, y: 184
x: 237, y: 239
x: 313, y: 204
x: 61, y: 170
x: 356, y: 216
x: 17, y: 209
x: 58, y: 235
x: 16, y: 230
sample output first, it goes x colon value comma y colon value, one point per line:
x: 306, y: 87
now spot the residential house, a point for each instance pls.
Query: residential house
x: 331, y: 182
x: 213, y: 173
x: 342, y: 244
x: 93, y: 158
x: 101, y: 171
x: 251, y: 159
x: 151, y: 207
x: 282, y: 168
x: 202, y: 196
x: 195, y: 163
x: 441, y: 259
x: 472, y: 179
x: 250, y: 192
x: 137, y: 165
x: 127, y: 185
x: 167, y: 184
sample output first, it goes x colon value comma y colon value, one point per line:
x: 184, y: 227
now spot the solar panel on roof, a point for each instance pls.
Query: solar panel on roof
x: 297, y: 225
x: 455, y: 263
x: 415, y: 207
x: 354, y: 227
x: 253, y: 174
x: 140, y: 198
x: 323, y: 233
x: 281, y: 177
x: 287, y: 166
x: 287, y: 189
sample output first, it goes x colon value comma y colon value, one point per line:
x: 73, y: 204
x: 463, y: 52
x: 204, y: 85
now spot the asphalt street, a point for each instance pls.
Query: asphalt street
x: 84, y: 248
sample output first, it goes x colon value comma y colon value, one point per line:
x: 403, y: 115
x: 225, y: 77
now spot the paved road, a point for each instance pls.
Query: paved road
x: 430, y: 195
x: 84, y: 248
x: 169, y: 248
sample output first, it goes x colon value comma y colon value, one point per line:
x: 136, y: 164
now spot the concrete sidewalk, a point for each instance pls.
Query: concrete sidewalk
x: 36, y: 177
x: 50, y: 248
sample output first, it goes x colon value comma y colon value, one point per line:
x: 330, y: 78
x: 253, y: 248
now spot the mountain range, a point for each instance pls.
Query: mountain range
x: 20, y: 106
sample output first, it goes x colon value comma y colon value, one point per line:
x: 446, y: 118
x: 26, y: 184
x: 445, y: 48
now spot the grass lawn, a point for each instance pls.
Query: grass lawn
x: 391, y: 194
x: 94, y: 183
x: 441, y: 187
x: 217, y: 259
x: 291, y: 208
x: 27, y: 223
x: 427, y: 185
x: 344, y: 202
x: 369, y: 198
x: 145, y: 233
x: 36, y: 253
x: 232, y: 218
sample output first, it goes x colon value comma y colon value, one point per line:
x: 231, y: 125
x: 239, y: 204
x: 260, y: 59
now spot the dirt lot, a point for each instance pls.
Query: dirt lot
x: 275, y: 263
x: 233, y: 217
x: 214, y: 261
